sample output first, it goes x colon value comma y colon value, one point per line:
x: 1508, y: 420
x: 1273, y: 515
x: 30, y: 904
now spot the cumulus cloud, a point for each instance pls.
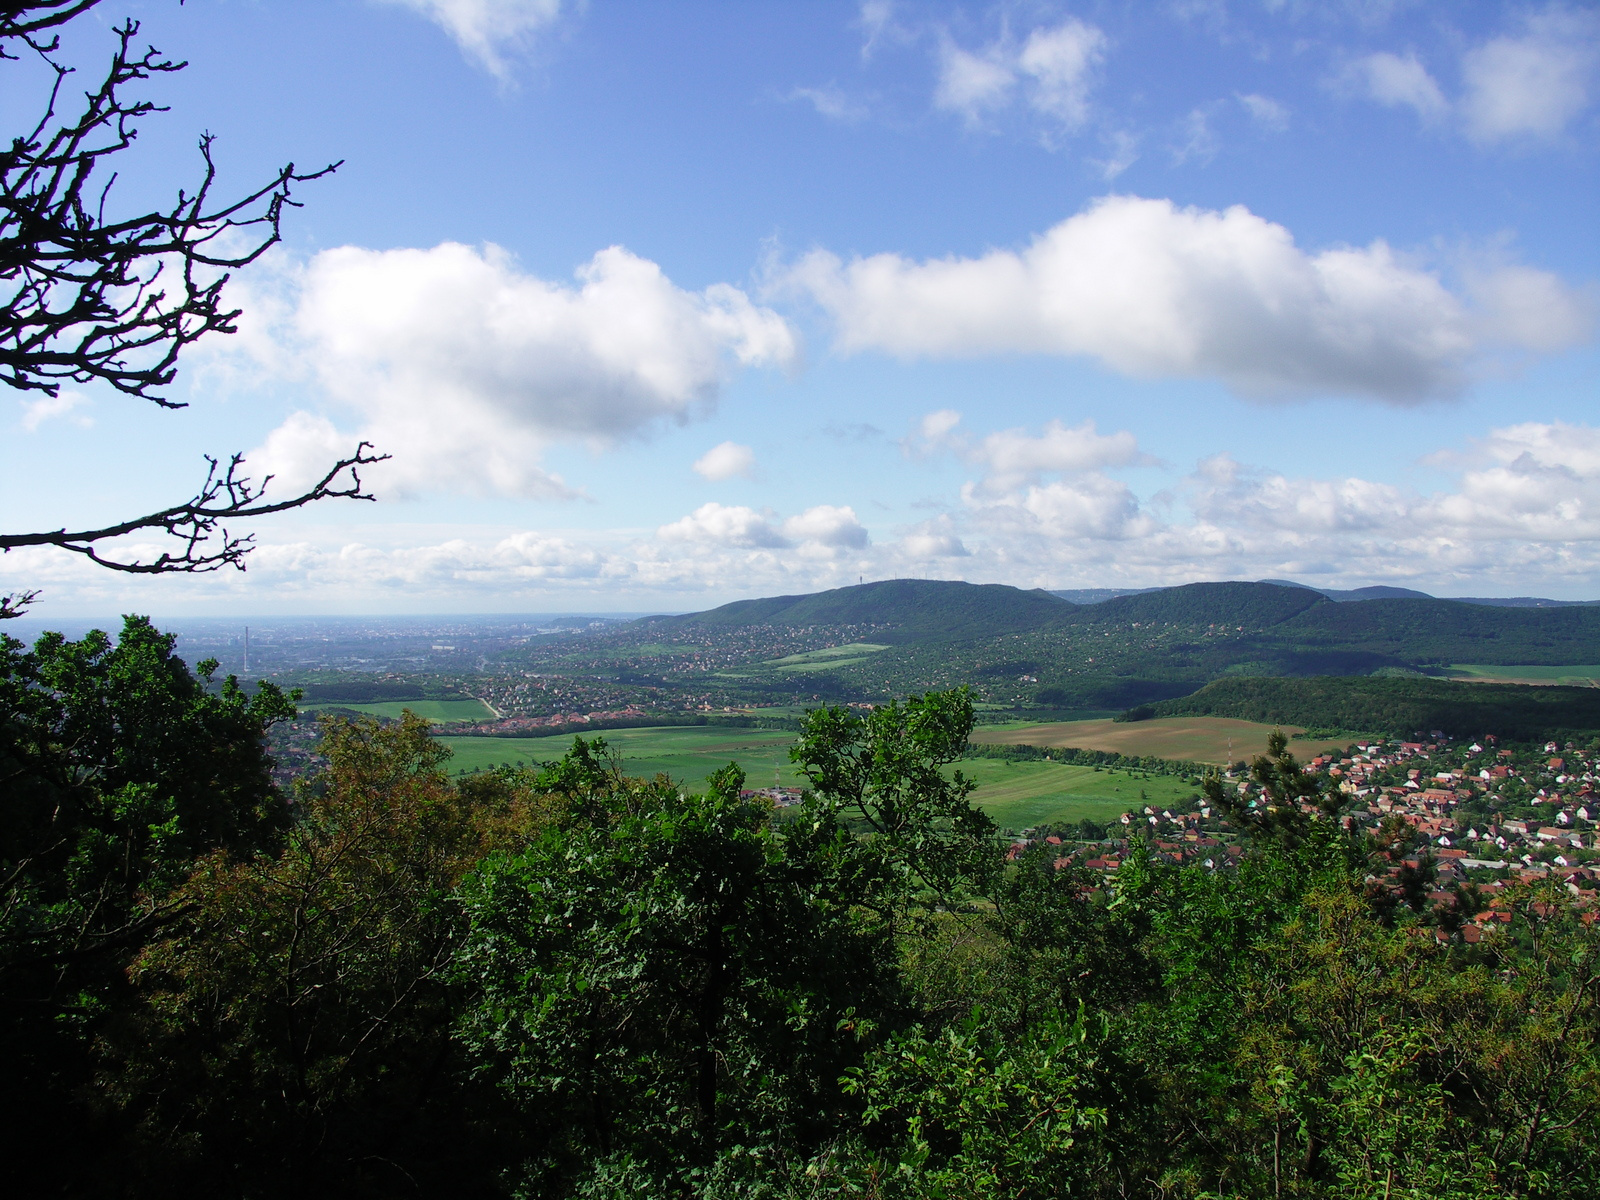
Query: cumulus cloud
x: 1092, y: 507
x: 1013, y: 457
x: 829, y: 526
x: 1052, y: 69
x: 732, y: 525
x: 1153, y: 290
x: 935, y: 538
x: 1521, y: 515
x: 465, y: 368
x: 824, y: 527
x: 726, y: 460
x: 486, y: 30
x: 1533, y: 84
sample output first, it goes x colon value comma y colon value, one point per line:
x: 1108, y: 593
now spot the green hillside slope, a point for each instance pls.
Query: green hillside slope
x: 1398, y: 707
x: 908, y: 608
x: 1251, y: 605
x: 1437, y: 632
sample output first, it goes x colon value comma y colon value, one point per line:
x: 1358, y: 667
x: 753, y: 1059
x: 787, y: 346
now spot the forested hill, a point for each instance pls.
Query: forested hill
x: 902, y: 608
x: 1437, y: 632
x: 1396, y: 707
x: 1036, y: 650
x: 1247, y: 605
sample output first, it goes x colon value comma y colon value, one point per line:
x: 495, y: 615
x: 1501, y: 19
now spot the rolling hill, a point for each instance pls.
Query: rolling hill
x: 904, y: 609
x: 1397, y: 707
x: 1034, y: 649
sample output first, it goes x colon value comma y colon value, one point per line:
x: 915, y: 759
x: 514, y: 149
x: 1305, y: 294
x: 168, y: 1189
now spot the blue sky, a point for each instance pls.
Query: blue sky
x: 656, y: 306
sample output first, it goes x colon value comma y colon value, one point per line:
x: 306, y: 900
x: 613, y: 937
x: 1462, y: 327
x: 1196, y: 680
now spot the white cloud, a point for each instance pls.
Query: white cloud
x: 1399, y: 83
x: 66, y: 403
x: 1090, y: 507
x: 1533, y: 84
x: 1199, y: 141
x: 1530, y: 84
x: 876, y: 20
x: 1061, y: 61
x: 725, y: 525
x: 1013, y: 456
x: 1522, y: 516
x: 1151, y: 290
x: 828, y: 526
x: 1122, y: 153
x: 1053, y: 68
x: 487, y: 29
x: 1266, y: 112
x: 935, y: 538
x: 466, y: 369
x: 1531, y: 308
x: 726, y: 460
x: 822, y: 529
x: 971, y: 84
x: 832, y: 102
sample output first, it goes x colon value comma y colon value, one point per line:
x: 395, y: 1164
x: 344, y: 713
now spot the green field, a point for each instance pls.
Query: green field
x: 1186, y: 739
x: 688, y: 754
x: 1573, y: 676
x: 1016, y: 795
x: 825, y: 660
x: 443, y: 711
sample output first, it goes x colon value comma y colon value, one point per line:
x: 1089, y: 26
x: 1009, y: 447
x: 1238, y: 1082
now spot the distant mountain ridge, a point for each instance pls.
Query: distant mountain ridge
x: 1375, y: 592
x: 1035, y: 649
x: 905, y: 607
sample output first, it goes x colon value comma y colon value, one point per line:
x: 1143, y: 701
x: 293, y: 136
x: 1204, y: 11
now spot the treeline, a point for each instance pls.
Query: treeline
x: 1398, y: 707
x: 565, y: 982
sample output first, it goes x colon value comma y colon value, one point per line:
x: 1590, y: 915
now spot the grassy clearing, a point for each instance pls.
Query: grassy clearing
x: 1189, y: 739
x: 443, y: 711
x: 1023, y: 794
x: 1572, y: 676
x: 1016, y: 795
x: 853, y: 650
x: 689, y: 754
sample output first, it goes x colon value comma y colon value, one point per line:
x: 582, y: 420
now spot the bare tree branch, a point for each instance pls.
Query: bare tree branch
x: 16, y: 604
x: 88, y: 298
x: 204, y: 543
x: 84, y: 298
x: 24, y: 18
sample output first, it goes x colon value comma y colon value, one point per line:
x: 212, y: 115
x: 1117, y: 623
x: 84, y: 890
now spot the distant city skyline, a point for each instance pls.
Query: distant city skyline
x: 657, y: 307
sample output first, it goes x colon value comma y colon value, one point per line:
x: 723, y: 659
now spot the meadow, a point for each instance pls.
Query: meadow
x: 443, y: 711
x: 1016, y: 795
x: 1218, y: 740
x: 1574, y: 676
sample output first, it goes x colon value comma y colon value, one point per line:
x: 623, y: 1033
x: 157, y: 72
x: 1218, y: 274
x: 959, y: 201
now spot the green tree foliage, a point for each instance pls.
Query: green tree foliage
x: 120, y: 768
x: 295, y: 1030
x: 886, y: 771
x: 664, y: 974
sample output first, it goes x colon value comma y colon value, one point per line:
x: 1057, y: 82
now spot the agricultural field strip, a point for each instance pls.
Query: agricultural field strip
x: 1016, y: 794
x: 1182, y: 739
x: 442, y: 711
x: 1577, y: 674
